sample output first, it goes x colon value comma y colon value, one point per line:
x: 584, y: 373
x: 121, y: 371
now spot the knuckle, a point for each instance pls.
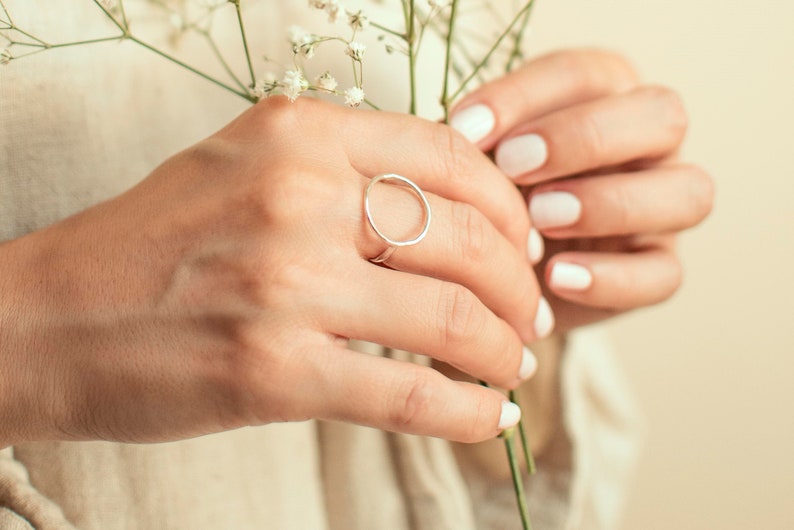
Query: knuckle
x: 469, y: 227
x: 453, y: 154
x: 703, y: 194
x: 413, y: 401
x: 591, y: 138
x: 481, y: 426
x: 674, y: 278
x: 460, y: 316
x: 672, y: 108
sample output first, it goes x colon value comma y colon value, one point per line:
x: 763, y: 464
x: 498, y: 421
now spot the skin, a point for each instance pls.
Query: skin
x: 613, y: 142
x: 221, y: 291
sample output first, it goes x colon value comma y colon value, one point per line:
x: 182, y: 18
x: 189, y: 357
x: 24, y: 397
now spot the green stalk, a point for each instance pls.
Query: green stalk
x: 411, y: 39
x: 528, y: 458
x: 245, y: 41
x: 518, y: 481
x: 244, y: 95
x: 448, y: 60
x: 516, y: 53
x: 493, y: 49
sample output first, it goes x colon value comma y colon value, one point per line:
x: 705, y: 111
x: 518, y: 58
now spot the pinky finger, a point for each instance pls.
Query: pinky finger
x: 614, y: 281
x: 402, y: 397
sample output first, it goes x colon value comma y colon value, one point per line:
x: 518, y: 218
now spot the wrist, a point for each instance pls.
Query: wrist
x: 24, y: 387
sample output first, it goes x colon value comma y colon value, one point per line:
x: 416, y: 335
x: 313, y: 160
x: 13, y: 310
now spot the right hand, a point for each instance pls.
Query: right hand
x: 221, y: 291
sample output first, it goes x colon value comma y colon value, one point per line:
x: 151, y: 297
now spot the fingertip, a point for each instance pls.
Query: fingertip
x: 509, y: 416
x: 474, y: 122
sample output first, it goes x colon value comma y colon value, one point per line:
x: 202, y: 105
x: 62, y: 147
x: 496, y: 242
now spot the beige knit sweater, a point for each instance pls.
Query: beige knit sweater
x: 80, y: 125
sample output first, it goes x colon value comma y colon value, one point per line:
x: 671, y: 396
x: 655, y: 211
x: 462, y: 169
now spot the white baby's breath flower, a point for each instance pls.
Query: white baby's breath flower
x: 5, y: 57
x: 108, y: 4
x: 303, y: 42
x: 357, y: 20
x: 354, y: 96
x: 265, y: 86
x: 333, y: 8
x: 356, y: 50
x: 318, y: 4
x: 326, y: 82
x: 294, y: 84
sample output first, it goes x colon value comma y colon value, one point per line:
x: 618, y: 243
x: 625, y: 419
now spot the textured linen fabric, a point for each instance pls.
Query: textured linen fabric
x: 80, y: 125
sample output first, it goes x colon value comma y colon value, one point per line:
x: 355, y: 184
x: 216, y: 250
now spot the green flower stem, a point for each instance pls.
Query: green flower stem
x: 509, y: 436
x: 215, y: 50
x: 245, y: 41
x: 124, y: 20
x: 242, y: 94
x: 124, y: 30
x: 515, y: 53
x: 411, y: 40
x: 388, y: 30
x: 445, y: 100
x: 493, y: 49
x: 528, y: 458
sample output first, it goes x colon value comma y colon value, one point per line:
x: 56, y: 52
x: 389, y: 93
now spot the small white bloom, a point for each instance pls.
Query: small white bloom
x: 318, y: 4
x: 264, y: 86
x: 333, y: 8
x: 294, y: 84
x: 354, y: 96
x: 356, y: 50
x: 108, y: 4
x: 303, y: 42
x: 5, y: 57
x: 176, y: 21
x: 357, y: 20
x: 326, y: 82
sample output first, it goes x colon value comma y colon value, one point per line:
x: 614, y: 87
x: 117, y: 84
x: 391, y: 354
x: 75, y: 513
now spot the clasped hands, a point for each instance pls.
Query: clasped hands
x: 222, y: 290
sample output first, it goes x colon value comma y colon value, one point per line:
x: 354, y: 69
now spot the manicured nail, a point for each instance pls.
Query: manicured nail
x: 570, y: 277
x: 510, y: 416
x: 536, y: 246
x: 521, y: 154
x: 544, y: 319
x: 554, y: 209
x: 529, y: 364
x: 475, y: 122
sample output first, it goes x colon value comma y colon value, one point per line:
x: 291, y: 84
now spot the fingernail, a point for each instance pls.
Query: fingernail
x: 544, y: 319
x: 521, y: 154
x: 475, y: 122
x: 536, y: 246
x: 554, y: 209
x: 570, y: 277
x: 510, y: 416
x: 529, y: 364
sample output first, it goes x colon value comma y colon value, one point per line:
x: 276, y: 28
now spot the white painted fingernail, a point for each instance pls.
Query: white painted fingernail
x: 529, y: 364
x: 510, y: 416
x: 475, y: 122
x: 570, y: 277
x: 544, y: 319
x: 521, y: 154
x: 554, y: 209
x: 536, y: 246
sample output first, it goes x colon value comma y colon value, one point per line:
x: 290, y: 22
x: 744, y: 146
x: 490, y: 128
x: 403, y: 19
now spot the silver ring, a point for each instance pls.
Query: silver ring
x: 393, y: 244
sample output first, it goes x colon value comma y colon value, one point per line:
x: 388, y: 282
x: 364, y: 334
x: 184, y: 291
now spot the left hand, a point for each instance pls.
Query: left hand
x: 596, y: 153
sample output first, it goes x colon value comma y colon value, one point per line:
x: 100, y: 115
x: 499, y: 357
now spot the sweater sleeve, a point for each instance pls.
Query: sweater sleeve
x: 22, y: 507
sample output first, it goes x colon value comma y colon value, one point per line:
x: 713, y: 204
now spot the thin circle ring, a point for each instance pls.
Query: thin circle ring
x: 392, y: 242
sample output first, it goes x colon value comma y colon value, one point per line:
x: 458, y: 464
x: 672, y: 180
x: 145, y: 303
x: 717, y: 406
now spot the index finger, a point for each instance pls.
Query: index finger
x: 543, y: 85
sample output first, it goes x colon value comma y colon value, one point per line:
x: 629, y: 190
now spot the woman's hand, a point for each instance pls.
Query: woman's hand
x: 221, y: 291
x: 596, y: 153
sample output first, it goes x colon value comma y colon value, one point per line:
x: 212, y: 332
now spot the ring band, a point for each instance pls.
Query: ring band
x: 393, y: 244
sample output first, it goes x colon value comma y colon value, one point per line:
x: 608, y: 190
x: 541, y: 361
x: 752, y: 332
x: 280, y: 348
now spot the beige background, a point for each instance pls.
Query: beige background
x: 713, y: 368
